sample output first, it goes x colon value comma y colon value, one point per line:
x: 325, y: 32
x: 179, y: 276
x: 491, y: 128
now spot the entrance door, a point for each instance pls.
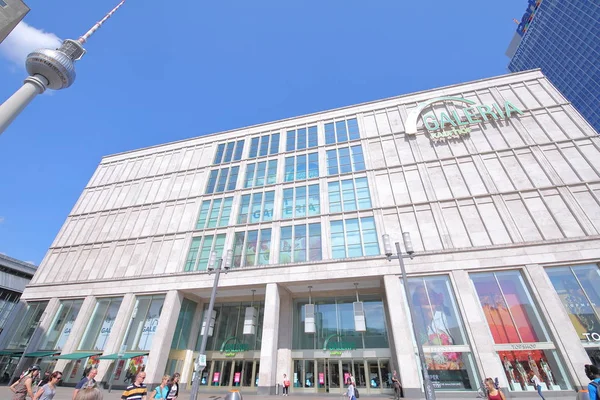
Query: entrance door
x: 322, y: 375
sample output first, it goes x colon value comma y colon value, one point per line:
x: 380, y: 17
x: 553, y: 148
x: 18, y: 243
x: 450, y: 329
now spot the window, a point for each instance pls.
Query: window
x: 302, y: 138
x: 300, y: 243
x: 197, y: 259
x: 256, y: 207
x: 8, y: 300
x: 61, y: 325
x: 301, y: 201
x: 100, y: 325
x: 354, y: 237
x: 302, y: 167
x: 228, y: 151
x: 349, y: 195
x: 260, y: 174
x: 222, y: 179
x: 28, y: 323
x: 341, y: 131
x: 513, y: 317
x: 344, y: 160
x: 181, y: 337
x: 264, y: 145
x: 3, y: 3
x: 144, y: 321
x: 252, y: 248
x: 214, y: 213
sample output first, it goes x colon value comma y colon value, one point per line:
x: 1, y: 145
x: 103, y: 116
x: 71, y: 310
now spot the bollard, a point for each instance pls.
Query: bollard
x: 583, y: 394
x: 234, y: 395
x: 277, y: 389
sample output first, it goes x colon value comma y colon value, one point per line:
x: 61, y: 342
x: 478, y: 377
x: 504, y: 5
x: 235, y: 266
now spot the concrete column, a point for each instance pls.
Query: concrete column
x: 83, y: 318
x: 161, y: 342
x: 16, y: 103
x: 566, y: 339
x: 482, y: 342
x: 39, y: 333
x: 267, y: 377
x: 284, y: 352
x: 400, y: 327
x: 115, y: 339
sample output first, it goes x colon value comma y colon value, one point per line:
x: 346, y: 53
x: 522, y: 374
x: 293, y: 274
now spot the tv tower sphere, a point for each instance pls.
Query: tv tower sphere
x: 54, y: 69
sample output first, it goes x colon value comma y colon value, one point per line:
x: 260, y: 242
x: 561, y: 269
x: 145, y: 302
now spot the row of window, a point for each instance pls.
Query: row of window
x: 296, y: 139
x: 353, y: 237
x: 300, y: 201
x: 300, y: 167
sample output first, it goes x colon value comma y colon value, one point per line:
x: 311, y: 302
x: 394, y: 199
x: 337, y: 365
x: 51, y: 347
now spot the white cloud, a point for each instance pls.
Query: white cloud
x: 1, y: 219
x: 23, y: 40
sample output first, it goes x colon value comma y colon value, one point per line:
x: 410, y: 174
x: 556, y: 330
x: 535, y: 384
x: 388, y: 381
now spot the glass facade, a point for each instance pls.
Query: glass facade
x: 301, y: 138
x: 27, y: 325
x: 304, y: 166
x: 227, y: 152
x: 561, y: 41
x: 334, y: 320
x: 264, y: 145
x: 341, y: 131
x: 100, y: 325
x: 300, y: 243
x: 256, y: 207
x: 144, y: 322
x: 515, y: 324
x: 229, y: 327
x: 252, y: 248
x: 8, y: 300
x: 261, y: 174
x: 344, y: 160
x: 221, y: 180
x: 181, y: 337
x: 301, y: 201
x: 61, y: 326
x: 354, y: 237
x: 439, y: 328
x: 199, y: 253
x: 349, y: 195
x: 214, y: 213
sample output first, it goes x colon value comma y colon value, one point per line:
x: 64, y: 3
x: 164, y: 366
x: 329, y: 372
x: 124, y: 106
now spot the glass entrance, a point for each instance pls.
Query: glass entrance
x: 230, y: 373
x: 332, y: 375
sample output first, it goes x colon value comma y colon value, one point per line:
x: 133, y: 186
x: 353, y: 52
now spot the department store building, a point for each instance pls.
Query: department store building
x: 497, y: 181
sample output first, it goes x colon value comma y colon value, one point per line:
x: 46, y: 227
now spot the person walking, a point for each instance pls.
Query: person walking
x: 174, y: 387
x: 48, y: 390
x: 286, y: 385
x: 396, y: 385
x: 350, y: 393
x: 89, y: 393
x: 137, y: 390
x: 86, y: 381
x: 162, y: 390
x: 593, y: 373
x: 24, y: 386
x: 492, y: 392
x: 537, y: 384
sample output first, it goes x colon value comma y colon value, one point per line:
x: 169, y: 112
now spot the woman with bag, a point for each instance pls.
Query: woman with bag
x: 351, y: 392
x: 492, y: 392
x: 286, y: 385
x: 24, y: 386
x: 161, y: 391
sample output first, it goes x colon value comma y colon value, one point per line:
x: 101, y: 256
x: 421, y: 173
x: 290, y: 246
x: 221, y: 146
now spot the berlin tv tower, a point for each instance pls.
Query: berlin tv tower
x: 54, y: 69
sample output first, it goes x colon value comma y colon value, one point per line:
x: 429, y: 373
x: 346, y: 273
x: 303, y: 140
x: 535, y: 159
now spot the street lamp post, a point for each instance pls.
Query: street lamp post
x: 211, y: 267
x: 387, y: 245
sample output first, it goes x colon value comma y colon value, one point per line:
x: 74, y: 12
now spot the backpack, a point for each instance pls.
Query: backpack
x: 597, y: 386
x: 356, y: 394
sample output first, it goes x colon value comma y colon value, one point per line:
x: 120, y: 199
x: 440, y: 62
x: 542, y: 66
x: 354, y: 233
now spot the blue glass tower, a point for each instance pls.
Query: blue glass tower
x: 562, y: 37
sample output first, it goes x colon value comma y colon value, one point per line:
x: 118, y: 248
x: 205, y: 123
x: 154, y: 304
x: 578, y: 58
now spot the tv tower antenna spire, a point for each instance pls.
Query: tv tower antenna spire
x: 54, y: 69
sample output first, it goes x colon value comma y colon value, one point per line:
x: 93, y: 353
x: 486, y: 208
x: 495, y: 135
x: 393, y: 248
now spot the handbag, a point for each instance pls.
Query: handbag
x: 356, y: 394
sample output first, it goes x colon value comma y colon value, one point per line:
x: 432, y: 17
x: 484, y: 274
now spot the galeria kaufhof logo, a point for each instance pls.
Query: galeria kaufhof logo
x: 456, y: 123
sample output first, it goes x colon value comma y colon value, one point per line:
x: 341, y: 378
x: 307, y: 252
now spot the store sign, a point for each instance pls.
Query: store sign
x: 231, y: 349
x: 457, y: 123
x: 336, y: 348
x: 592, y: 336
x: 523, y: 346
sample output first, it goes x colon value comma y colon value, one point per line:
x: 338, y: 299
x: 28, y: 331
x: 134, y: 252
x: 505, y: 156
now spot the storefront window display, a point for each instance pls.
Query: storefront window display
x: 144, y: 322
x: 61, y: 325
x: 521, y: 337
x: 334, y: 320
x: 579, y: 290
x: 440, y: 330
x: 27, y: 325
x: 100, y: 325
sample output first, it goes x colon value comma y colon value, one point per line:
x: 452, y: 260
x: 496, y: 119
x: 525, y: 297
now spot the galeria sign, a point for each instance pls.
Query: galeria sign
x: 456, y: 123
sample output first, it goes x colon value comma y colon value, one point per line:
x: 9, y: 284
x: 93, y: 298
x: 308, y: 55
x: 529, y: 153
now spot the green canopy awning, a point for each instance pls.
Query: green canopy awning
x: 125, y: 356
x: 77, y: 356
x: 12, y: 353
x: 39, y: 354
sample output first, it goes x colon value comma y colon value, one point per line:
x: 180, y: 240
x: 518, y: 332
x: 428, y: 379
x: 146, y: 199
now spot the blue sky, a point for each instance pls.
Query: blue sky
x: 156, y: 73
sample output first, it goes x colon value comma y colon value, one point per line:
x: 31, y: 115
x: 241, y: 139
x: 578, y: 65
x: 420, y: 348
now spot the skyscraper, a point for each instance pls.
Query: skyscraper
x: 11, y: 13
x: 563, y: 39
